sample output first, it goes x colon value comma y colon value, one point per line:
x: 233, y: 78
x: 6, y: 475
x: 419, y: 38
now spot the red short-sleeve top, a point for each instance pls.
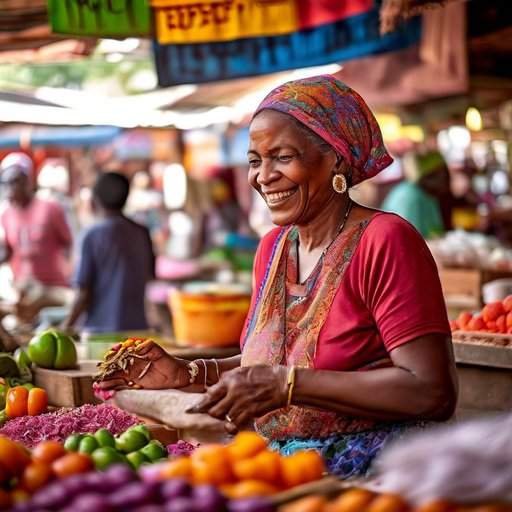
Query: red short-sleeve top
x: 390, y: 295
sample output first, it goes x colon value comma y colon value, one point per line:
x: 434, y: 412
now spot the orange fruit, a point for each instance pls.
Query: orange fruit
x: 249, y: 489
x: 387, y: 503
x: 501, y: 324
x: 178, y: 468
x: 492, y: 311
x: 35, y: 476
x: 48, y: 451
x: 72, y: 464
x: 463, y: 319
x: 302, y: 467
x: 454, y: 326
x: 309, y: 504
x: 507, y: 303
x: 5, y: 499
x: 13, y: 457
x: 509, y: 320
x: 37, y: 402
x: 353, y: 500
x: 492, y: 326
x: 211, y: 465
x: 435, y: 506
x: 246, y: 444
x: 268, y: 464
x: 476, y: 324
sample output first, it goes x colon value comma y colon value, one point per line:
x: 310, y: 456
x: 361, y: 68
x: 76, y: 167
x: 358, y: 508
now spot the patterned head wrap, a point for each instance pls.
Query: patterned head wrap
x: 339, y: 116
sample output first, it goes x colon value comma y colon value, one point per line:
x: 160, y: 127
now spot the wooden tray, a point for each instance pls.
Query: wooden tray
x: 483, y: 338
x: 327, y: 486
x: 68, y: 388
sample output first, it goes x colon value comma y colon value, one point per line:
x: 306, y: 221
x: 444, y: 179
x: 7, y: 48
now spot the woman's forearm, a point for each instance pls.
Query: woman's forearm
x: 211, y: 377
x: 385, y: 394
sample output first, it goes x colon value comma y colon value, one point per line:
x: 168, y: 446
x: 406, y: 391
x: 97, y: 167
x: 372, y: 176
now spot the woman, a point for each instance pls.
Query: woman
x: 347, y: 341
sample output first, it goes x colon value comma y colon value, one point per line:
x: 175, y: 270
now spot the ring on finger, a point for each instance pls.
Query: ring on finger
x: 228, y: 418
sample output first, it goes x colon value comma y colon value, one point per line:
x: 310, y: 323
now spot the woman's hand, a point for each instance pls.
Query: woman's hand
x: 245, y: 393
x: 163, y: 372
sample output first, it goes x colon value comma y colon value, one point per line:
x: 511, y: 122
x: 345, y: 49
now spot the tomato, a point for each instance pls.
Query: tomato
x: 35, y: 476
x: 13, y: 457
x: 72, y: 464
x: 37, y: 401
x: 16, y: 402
x: 48, y: 451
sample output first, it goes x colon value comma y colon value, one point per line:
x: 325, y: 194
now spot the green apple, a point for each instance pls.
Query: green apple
x: 154, y: 450
x: 105, y: 438
x: 131, y: 441
x: 88, y: 444
x: 42, y: 349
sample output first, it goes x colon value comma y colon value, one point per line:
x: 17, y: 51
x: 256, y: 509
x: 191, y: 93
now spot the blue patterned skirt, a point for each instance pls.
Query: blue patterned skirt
x: 348, y: 455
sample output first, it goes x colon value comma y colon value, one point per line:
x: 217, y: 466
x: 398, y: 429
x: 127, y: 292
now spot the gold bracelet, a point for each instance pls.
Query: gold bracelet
x: 216, y: 363
x: 291, y: 384
x: 205, y: 373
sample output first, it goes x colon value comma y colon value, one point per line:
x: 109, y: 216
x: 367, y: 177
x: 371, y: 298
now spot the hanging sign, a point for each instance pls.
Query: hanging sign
x: 206, y: 21
x: 108, y: 18
x: 353, y: 37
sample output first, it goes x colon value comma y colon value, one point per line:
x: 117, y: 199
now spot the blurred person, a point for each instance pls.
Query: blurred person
x: 37, y: 240
x: 116, y: 263
x: 424, y: 197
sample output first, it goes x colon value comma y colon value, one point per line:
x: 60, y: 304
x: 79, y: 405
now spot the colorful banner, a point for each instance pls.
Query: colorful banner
x: 207, y: 21
x: 109, y: 18
x: 350, y: 38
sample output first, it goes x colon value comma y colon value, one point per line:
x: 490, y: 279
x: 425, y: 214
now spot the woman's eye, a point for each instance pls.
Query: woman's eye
x: 285, y: 158
x: 254, y: 162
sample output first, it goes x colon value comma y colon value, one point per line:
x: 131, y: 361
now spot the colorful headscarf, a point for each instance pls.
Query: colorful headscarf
x: 338, y: 115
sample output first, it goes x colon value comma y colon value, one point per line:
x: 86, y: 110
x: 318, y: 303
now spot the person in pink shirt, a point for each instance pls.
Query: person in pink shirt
x: 37, y: 239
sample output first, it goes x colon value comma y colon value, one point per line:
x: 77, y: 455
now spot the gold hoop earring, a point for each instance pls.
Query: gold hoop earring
x: 339, y: 183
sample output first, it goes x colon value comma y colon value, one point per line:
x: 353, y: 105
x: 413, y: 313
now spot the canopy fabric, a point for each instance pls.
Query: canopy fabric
x: 67, y: 137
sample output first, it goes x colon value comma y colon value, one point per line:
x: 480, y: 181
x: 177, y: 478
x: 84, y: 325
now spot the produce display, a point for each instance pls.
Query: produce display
x: 495, y: 317
x: 53, y: 349
x: 246, y: 467
x: 119, y: 489
x: 22, y: 472
x: 362, y: 500
x: 58, y: 425
x: 134, y: 447
x: 25, y: 400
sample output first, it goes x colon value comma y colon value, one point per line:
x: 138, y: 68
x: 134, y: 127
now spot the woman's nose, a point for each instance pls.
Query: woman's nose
x: 267, y: 173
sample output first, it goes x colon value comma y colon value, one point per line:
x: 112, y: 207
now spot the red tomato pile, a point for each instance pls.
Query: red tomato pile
x: 495, y: 317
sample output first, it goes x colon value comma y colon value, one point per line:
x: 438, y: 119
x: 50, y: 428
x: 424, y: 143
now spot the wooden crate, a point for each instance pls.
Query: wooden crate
x: 68, y: 388
x: 462, y: 288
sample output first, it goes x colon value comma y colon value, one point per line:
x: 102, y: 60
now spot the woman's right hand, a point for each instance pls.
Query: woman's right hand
x: 164, y: 372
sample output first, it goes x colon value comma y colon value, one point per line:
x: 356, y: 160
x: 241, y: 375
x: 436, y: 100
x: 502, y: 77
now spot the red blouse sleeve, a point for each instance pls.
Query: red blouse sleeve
x: 261, y: 258
x: 399, y: 283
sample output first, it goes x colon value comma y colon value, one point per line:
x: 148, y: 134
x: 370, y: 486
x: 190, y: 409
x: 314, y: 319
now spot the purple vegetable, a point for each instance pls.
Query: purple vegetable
x: 134, y: 495
x: 97, y: 483
x: 181, y: 504
x: 208, y: 499
x: 251, y: 505
x: 91, y: 502
x: 149, y: 508
x: 50, y: 497
x: 174, y: 488
x: 119, y: 475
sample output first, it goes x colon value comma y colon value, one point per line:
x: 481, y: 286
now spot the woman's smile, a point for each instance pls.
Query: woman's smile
x: 277, y: 198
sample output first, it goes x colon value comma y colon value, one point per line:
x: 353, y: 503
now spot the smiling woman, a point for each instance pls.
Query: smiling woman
x: 347, y: 343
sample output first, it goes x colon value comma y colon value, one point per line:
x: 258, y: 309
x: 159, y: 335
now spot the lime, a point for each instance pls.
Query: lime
x: 136, y: 459
x: 73, y: 442
x: 106, y: 456
x: 131, y: 441
x: 105, y: 438
x: 142, y: 429
x: 88, y: 444
x: 154, y: 450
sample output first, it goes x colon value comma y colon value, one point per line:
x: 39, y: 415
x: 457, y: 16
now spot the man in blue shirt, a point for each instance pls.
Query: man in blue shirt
x: 116, y: 262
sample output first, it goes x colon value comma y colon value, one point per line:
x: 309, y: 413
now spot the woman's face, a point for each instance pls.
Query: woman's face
x: 290, y: 172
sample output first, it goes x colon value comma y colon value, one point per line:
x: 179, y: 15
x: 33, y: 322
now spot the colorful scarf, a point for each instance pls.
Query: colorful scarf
x: 338, y: 115
x: 273, y: 339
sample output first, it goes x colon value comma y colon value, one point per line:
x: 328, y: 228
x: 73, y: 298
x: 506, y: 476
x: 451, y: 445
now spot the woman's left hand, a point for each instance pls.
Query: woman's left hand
x: 245, y: 393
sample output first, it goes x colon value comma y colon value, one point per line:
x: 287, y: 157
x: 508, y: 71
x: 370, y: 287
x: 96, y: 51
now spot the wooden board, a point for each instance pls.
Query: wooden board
x: 482, y: 354
x: 327, y: 486
x: 68, y: 388
x: 483, y: 338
